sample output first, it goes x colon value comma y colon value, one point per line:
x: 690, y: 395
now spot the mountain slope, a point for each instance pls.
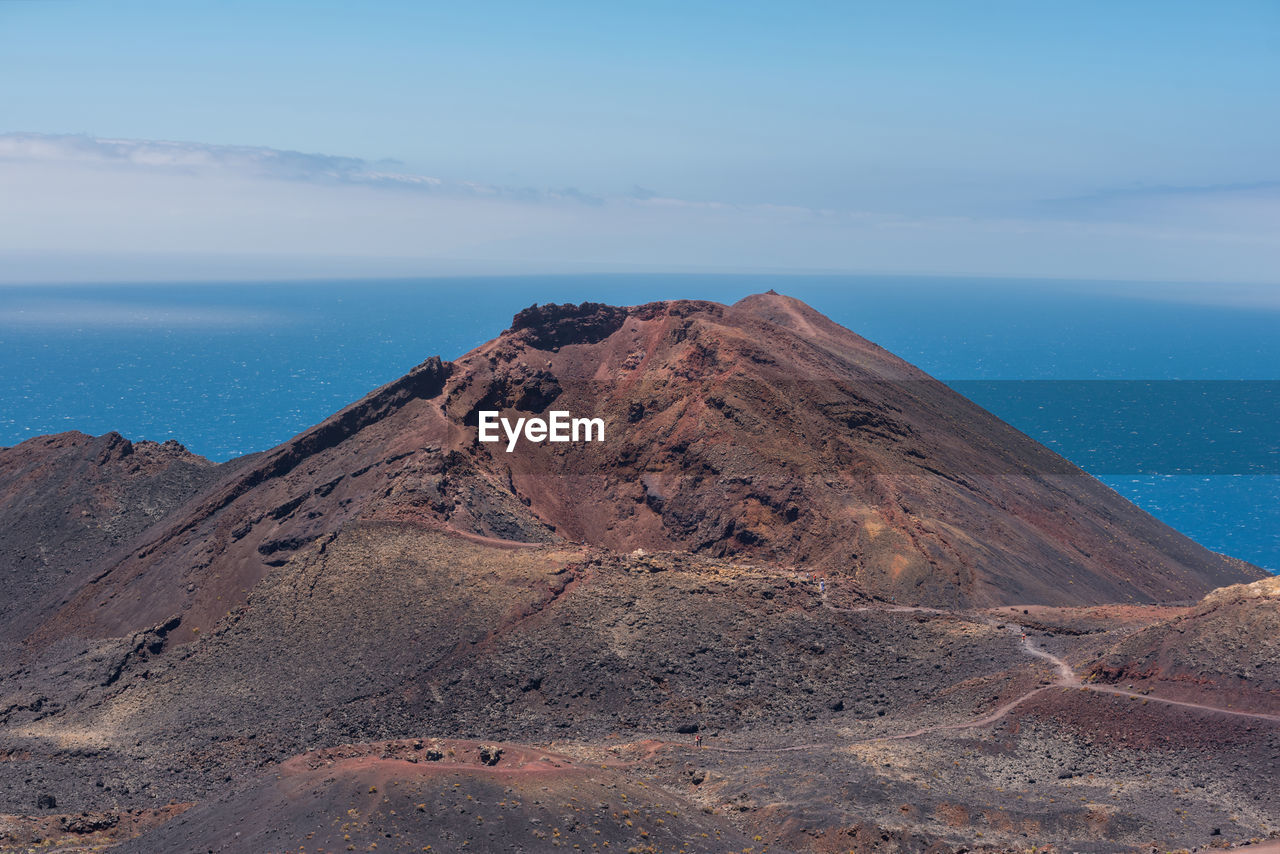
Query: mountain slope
x: 382, y: 456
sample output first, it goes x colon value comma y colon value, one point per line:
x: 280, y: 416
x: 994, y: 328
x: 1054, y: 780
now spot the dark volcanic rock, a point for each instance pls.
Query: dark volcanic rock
x: 547, y: 327
x: 88, y: 823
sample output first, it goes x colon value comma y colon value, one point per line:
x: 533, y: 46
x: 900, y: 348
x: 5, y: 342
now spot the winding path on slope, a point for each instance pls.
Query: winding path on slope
x: 1066, y: 678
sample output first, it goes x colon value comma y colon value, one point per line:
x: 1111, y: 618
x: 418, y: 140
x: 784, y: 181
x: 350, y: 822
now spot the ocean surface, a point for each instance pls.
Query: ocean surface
x: 1171, y: 398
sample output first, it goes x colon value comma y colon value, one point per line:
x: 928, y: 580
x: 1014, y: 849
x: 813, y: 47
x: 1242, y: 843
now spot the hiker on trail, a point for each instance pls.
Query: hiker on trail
x: 697, y: 740
x: 822, y: 586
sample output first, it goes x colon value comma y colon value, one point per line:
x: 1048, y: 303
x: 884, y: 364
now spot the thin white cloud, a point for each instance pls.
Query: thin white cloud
x: 1265, y: 189
x: 77, y: 208
x: 195, y: 158
x: 184, y: 156
x: 1249, y: 209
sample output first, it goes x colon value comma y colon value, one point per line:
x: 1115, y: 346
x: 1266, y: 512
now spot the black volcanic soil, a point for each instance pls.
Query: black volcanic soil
x: 434, y: 633
x: 788, y: 545
x: 803, y: 700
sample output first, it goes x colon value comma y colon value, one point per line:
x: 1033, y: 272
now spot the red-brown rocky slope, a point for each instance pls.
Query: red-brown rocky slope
x: 1224, y: 651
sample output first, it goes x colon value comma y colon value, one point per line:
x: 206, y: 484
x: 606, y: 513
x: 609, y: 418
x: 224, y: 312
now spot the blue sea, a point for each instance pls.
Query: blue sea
x: 1171, y: 398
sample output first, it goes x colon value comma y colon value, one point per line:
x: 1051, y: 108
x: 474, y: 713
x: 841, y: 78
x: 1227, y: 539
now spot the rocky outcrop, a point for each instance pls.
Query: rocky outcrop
x: 69, y: 501
x: 548, y: 327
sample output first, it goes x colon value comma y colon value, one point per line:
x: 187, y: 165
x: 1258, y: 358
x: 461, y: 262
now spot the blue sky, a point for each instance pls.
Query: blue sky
x: 1126, y: 140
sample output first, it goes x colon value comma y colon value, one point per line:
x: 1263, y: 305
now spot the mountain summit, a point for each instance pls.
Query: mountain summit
x: 761, y: 429
x: 764, y: 428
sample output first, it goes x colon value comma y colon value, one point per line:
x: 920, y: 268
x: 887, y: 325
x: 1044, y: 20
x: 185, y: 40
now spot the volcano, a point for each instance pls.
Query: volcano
x: 761, y: 429
x: 786, y: 539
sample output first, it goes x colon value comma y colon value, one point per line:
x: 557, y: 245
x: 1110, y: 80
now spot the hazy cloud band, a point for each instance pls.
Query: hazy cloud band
x: 79, y: 208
